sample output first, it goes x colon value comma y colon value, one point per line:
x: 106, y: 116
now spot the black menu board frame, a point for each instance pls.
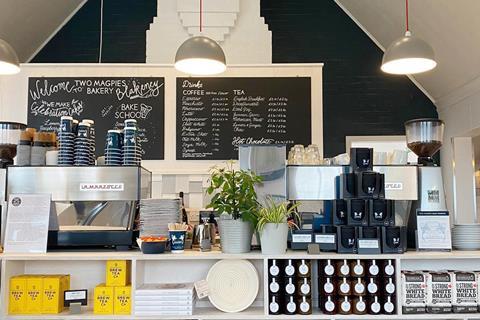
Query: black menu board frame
x: 106, y: 100
x: 216, y: 114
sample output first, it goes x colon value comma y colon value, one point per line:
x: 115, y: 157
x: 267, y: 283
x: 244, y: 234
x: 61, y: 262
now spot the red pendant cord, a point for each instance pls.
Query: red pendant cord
x: 406, y: 13
x: 201, y: 5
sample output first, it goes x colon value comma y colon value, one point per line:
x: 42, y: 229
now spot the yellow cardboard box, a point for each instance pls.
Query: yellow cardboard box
x: 18, y: 295
x: 34, y: 295
x: 122, y: 300
x: 103, y: 299
x: 53, y: 288
x: 117, y: 273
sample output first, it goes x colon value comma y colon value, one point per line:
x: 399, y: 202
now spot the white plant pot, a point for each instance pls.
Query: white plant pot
x: 273, y: 238
x: 235, y: 235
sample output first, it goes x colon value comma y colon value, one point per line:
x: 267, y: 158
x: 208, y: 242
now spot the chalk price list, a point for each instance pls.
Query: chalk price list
x: 216, y: 117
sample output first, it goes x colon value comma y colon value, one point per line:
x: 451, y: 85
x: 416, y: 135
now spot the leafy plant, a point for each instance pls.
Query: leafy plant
x: 234, y: 192
x: 276, y: 212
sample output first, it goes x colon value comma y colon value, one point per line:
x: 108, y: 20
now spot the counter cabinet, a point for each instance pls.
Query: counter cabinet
x: 87, y: 270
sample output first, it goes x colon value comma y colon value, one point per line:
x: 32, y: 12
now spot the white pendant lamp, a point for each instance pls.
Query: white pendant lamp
x: 9, y: 63
x: 200, y: 55
x: 408, y: 54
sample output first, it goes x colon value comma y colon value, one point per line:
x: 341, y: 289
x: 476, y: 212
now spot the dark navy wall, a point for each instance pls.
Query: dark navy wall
x: 358, y: 99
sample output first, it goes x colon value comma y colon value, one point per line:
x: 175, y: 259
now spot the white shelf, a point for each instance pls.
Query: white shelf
x: 218, y: 255
x: 199, y: 313
x: 169, y: 267
x: 251, y: 313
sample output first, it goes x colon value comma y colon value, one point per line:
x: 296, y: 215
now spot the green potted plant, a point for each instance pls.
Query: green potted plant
x: 234, y: 197
x: 273, y: 225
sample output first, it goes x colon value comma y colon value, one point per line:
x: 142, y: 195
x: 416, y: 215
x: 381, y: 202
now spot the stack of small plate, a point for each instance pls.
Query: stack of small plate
x: 466, y: 236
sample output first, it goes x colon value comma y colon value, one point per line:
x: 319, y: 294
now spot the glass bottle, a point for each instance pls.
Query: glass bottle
x: 357, y: 268
x: 328, y: 305
x: 289, y: 268
x: 343, y: 270
x: 303, y: 267
x: 345, y: 305
x: 359, y: 305
x: 344, y: 287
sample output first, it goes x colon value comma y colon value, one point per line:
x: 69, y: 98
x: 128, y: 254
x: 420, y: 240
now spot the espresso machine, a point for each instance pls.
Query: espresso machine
x: 94, y: 206
x: 425, y: 138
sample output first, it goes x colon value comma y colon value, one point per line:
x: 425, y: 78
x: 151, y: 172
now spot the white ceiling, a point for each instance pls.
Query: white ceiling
x: 28, y: 24
x: 452, y: 27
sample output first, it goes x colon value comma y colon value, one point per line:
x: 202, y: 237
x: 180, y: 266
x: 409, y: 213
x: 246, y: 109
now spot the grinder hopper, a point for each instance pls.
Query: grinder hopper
x: 424, y: 138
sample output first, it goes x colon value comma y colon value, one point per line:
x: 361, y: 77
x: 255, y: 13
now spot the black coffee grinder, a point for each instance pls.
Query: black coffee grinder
x: 9, y: 137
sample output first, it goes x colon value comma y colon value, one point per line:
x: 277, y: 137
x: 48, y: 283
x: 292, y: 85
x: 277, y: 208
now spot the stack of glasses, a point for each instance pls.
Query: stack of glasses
x: 113, y: 148
x: 66, y: 141
x: 132, y: 153
x: 83, y: 152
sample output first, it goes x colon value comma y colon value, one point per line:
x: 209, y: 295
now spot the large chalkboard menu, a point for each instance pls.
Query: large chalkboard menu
x: 215, y: 115
x: 106, y: 100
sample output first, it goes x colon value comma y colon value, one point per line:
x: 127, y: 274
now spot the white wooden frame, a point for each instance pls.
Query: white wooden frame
x: 14, y: 98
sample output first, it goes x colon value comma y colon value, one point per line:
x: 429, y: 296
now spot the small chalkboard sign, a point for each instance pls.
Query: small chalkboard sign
x: 75, y: 296
x: 106, y: 100
x: 216, y: 115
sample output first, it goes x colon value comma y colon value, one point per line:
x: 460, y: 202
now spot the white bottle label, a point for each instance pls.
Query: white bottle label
x: 390, y: 288
x: 375, y: 307
x: 274, y: 287
x: 361, y: 306
x: 373, y: 270
x: 389, y: 270
x: 344, y: 269
x: 328, y: 287
x: 303, y: 269
x: 291, y: 307
x: 329, y: 270
x: 372, y: 287
x: 274, y: 270
x: 274, y: 307
x: 304, y: 306
x: 329, y: 306
x: 358, y: 269
x: 305, y: 288
x: 290, y: 288
x: 345, y: 306
x: 289, y: 270
x: 359, y: 287
x: 388, y: 307
x: 344, y: 287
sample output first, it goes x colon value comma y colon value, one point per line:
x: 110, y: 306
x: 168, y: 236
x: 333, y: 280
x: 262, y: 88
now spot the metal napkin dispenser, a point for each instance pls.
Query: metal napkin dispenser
x: 95, y: 206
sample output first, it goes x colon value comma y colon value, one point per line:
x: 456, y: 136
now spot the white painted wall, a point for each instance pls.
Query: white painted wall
x: 462, y: 119
x: 236, y: 25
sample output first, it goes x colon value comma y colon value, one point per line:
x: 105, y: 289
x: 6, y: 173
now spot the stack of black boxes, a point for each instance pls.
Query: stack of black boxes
x: 361, y: 220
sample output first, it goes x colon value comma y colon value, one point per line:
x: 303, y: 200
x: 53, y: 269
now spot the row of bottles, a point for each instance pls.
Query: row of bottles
x: 356, y: 286
x: 290, y: 286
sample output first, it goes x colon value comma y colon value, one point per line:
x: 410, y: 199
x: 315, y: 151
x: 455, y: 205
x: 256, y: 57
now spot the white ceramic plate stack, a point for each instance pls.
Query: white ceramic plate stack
x: 156, y: 214
x: 466, y: 236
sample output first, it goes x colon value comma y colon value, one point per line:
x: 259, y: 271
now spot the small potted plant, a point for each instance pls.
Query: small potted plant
x: 273, y: 225
x: 234, y: 197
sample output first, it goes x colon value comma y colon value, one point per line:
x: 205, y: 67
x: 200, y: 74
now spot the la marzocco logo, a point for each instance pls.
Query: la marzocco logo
x: 101, y: 187
x: 393, y: 186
